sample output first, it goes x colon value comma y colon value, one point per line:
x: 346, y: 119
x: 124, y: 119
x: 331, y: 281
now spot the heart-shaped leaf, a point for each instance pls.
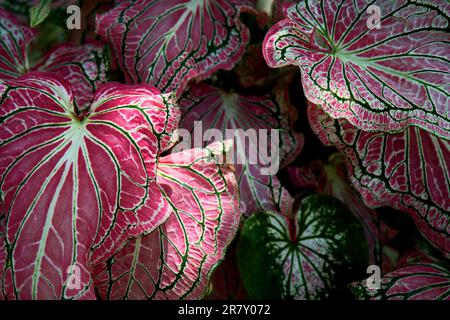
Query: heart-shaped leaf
x: 301, y: 256
x: 385, y: 78
x: 419, y: 281
x: 409, y: 171
x: 74, y: 188
x: 84, y: 66
x: 15, y: 38
x: 167, y: 43
x: 39, y: 12
x: 259, y: 126
x: 176, y: 260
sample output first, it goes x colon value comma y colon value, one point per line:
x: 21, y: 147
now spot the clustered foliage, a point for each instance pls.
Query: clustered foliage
x: 105, y: 194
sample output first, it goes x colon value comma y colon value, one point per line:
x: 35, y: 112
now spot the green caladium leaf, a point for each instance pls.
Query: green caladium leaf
x: 302, y: 256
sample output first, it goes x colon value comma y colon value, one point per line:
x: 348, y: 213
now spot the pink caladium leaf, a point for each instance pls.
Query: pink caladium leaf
x: 21, y: 8
x: 331, y: 178
x: 2, y: 248
x: 303, y: 255
x: 167, y: 43
x: 15, y: 38
x: 382, y: 79
x: 409, y: 171
x: 75, y: 188
x: 176, y: 260
x: 259, y: 125
x: 418, y: 281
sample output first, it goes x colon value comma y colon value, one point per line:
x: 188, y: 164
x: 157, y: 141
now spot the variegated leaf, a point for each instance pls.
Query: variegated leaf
x: 331, y: 179
x: 84, y: 66
x: 409, y: 171
x: 419, y: 281
x: 260, y: 127
x: 301, y: 256
x: 75, y: 188
x: 176, y: 260
x: 15, y: 38
x: 167, y: 43
x: 385, y: 78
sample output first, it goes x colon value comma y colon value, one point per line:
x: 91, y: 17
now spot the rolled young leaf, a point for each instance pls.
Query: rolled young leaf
x: 176, y: 260
x: 74, y: 188
x: 39, y: 12
x: 385, y: 76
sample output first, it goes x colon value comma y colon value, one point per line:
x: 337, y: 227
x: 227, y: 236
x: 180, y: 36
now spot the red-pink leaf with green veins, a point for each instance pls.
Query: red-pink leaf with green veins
x: 75, y: 189
x: 176, y: 260
x: 217, y: 109
x: 2, y: 250
x: 14, y: 40
x: 382, y: 79
x: 419, y: 281
x: 331, y: 178
x: 409, y: 171
x: 279, y: 9
x: 84, y: 66
x: 168, y: 43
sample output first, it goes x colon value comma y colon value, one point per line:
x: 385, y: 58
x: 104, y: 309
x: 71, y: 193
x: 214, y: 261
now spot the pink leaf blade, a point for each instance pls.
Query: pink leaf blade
x: 416, y: 281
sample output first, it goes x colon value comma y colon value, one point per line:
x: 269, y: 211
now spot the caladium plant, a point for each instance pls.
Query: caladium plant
x: 255, y: 116
x: 176, y: 260
x: 103, y: 196
x: 303, y: 254
x: 72, y: 184
x: 168, y: 43
x: 385, y: 78
x: 75, y: 188
x: 330, y: 178
x: 408, y: 171
x: 419, y: 281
